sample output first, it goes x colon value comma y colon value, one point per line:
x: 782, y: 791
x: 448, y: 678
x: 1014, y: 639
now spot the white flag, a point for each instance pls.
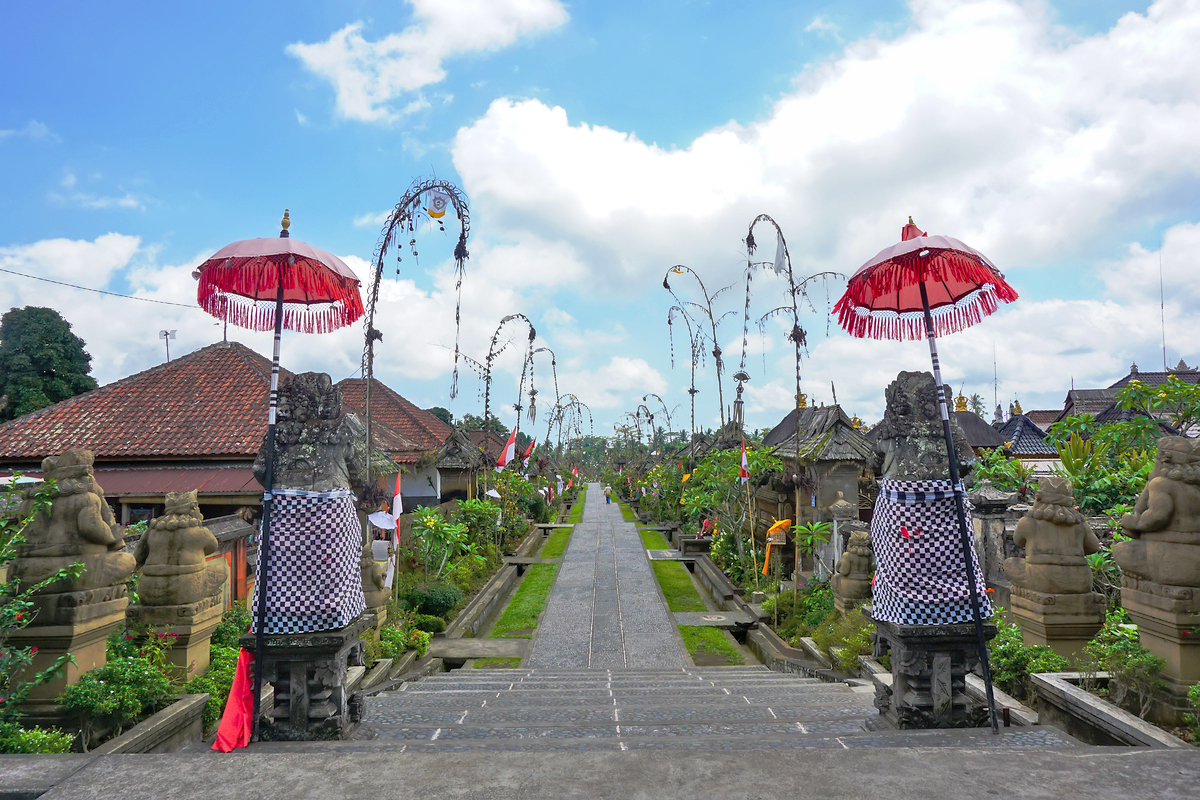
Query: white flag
x: 780, y: 254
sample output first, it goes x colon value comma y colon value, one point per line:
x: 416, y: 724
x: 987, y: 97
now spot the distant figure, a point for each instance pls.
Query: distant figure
x: 607, y: 495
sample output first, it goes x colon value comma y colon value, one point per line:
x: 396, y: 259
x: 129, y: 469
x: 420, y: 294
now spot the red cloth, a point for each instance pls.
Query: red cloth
x: 237, y: 722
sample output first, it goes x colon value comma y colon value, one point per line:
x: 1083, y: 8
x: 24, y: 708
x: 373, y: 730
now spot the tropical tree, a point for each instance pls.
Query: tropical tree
x: 41, y: 361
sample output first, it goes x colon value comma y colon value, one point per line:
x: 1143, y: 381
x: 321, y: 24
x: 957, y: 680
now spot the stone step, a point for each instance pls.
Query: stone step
x: 531, y: 740
x: 505, y: 699
x: 536, y: 686
x: 380, y: 715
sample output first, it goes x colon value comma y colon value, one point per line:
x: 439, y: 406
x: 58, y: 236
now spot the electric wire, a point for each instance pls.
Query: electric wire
x: 99, y: 291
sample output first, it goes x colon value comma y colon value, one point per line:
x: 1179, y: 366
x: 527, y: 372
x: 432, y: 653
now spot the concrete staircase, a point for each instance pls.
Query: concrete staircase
x: 694, y: 708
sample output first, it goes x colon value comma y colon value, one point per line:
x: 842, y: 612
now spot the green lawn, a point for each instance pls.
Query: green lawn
x: 556, y: 543
x: 526, y: 603
x: 711, y: 641
x: 627, y: 513
x: 677, y: 586
x: 653, y: 540
x: 576, y: 514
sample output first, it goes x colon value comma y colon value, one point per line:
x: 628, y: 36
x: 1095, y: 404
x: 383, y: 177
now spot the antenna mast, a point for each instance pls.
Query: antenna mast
x: 1162, y: 311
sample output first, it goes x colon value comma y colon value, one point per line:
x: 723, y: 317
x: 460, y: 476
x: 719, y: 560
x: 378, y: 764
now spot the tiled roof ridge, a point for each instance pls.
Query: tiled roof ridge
x: 100, y: 391
x: 419, y: 416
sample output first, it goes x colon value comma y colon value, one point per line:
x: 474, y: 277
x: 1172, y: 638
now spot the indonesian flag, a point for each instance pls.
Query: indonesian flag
x: 397, y: 500
x: 510, y: 451
x: 569, y: 482
x: 744, y: 472
x: 529, y: 452
x: 575, y: 471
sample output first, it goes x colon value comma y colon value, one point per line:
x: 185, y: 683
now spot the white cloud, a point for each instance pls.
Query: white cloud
x: 73, y: 195
x: 30, y: 130
x: 982, y: 119
x: 820, y: 25
x: 618, y: 384
x: 76, y: 261
x: 368, y: 75
x: 372, y: 219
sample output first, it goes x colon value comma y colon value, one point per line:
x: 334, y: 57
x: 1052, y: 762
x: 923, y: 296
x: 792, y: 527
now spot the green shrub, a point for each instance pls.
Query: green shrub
x: 430, y: 623
x: 1012, y: 661
x: 1193, y: 720
x: 849, y: 632
x: 811, y: 606
x: 14, y: 739
x: 116, y: 696
x: 1134, y: 672
x: 419, y: 641
x: 392, y: 641
x: 437, y: 599
x: 217, y: 681
x: 235, y: 622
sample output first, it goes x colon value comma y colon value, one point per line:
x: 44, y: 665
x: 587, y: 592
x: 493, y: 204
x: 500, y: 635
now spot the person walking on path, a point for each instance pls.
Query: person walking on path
x: 607, y: 495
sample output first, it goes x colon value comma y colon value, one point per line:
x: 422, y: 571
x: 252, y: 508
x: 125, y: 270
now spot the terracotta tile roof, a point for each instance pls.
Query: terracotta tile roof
x: 1043, y: 419
x: 489, y: 443
x: 392, y: 410
x: 211, y: 403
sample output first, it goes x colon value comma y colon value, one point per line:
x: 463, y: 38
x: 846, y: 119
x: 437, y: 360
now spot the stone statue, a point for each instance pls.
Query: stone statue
x: 80, y: 528
x: 375, y: 589
x: 1056, y: 538
x: 317, y: 447
x: 853, y: 578
x: 1165, y: 522
x: 1052, y: 598
x: 910, y: 445
x: 173, y: 553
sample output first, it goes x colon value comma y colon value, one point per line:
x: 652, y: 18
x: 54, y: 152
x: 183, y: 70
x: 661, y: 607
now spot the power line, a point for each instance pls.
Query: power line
x: 98, y: 291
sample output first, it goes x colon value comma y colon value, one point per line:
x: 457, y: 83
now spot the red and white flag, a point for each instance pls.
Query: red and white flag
x: 744, y: 472
x: 529, y: 452
x: 509, y: 452
x: 575, y: 471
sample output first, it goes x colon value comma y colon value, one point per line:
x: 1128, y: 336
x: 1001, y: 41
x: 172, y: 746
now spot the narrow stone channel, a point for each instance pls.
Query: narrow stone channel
x: 605, y: 611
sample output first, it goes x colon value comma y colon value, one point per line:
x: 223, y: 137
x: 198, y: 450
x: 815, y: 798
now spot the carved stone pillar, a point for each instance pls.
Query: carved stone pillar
x: 929, y: 668
x: 308, y: 671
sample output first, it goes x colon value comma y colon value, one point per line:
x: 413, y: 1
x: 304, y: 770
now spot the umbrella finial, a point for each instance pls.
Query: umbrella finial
x: 285, y: 223
x: 910, y: 222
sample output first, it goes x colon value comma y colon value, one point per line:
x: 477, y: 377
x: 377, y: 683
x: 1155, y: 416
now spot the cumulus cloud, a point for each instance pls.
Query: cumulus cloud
x: 982, y: 119
x: 368, y: 76
x: 619, y: 384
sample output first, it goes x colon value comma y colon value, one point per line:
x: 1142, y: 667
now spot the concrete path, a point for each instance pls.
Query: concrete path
x: 606, y: 611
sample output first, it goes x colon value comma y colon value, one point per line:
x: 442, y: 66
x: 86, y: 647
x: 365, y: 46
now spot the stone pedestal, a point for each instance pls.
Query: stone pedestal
x: 1168, y: 620
x: 192, y: 625
x: 1063, y: 622
x: 929, y: 667
x: 308, y: 671
x: 81, y: 631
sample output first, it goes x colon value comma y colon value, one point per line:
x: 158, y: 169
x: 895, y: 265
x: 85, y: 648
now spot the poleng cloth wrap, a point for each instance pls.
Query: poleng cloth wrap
x: 314, y: 582
x: 920, y: 577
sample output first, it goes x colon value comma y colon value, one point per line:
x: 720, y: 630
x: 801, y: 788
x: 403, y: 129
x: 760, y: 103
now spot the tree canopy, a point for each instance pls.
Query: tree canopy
x: 41, y: 361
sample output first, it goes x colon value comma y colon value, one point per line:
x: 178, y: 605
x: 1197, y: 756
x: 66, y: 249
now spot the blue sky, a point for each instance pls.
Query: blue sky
x: 600, y: 143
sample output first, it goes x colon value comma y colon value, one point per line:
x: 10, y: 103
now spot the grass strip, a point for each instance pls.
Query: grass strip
x: 527, y: 602
x: 556, y: 543
x: 497, y: 663
x: 677, y: 586
x: 627, y: 513
x: 576, y: 514
x: 653, y: 540
x: 699, y: 639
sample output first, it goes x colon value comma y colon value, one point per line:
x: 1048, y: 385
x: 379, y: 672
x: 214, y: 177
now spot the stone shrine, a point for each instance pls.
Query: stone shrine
x: 921, y: 602
x: 1052, y: 597
x: 180, y: 590
x: 74, y: 615
x: 315, y: 601
x: 1160, y: 582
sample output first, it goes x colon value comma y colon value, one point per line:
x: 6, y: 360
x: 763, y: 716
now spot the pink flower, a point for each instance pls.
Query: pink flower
x: 33, y: 651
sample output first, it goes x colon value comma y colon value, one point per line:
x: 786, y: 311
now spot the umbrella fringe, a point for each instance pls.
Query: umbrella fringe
x: 971, y: 309
x: 229, y: 292
x: 941, y: 265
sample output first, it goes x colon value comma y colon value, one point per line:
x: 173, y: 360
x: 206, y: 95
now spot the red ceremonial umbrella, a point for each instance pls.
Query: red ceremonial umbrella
x: 929, y: 285
x: 276, y: 283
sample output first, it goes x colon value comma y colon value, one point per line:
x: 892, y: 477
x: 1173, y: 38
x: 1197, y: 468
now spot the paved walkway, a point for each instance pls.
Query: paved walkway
x: 606, y: 611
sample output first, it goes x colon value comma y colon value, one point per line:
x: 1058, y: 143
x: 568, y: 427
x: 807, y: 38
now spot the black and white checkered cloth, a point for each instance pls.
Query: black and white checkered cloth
x: 314, y: 582
x: 920, y: 578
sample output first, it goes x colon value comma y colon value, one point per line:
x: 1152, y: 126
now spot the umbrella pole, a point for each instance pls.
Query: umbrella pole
x: 964, y: 536
x: 264, y: 541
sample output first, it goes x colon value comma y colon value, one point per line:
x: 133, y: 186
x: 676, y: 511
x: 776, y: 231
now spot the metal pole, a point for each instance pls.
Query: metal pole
x: 264, y: 539
x: 964, y: 536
